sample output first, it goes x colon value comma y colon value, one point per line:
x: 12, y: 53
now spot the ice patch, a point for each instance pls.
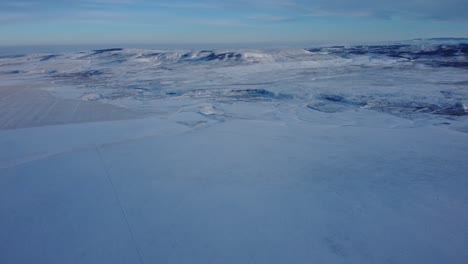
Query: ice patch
x: 100, y: 51
x: 209, y: 109
x: 255, y: 94
x: 80, y: 75
x: 91, y: 97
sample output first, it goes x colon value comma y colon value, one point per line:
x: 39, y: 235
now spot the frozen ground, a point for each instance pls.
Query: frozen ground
x: 325, y: 155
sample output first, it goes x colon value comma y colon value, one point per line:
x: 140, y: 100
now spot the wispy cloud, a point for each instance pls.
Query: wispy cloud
x: 401, y: 9
x: 214, y: 22
x: 271, y: 18
x: 115, y: 1
x: 179, y: 5
x: 102, y: 15
x: 414, y: 9
x: 252, y: 19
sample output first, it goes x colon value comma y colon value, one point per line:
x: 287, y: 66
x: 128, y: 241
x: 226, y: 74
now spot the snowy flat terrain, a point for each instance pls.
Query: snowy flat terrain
x: 345, y: 154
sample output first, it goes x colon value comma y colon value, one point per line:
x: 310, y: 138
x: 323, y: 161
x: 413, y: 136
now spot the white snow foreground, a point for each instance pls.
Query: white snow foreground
x: 243, y: 191
x: 229, y: 174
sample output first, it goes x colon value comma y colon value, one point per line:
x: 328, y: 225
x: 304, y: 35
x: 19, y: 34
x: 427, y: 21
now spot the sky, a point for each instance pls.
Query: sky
x: 54, y: 22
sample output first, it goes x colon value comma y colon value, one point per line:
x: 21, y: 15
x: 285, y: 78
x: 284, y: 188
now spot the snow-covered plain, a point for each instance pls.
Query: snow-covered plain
x: 352, y: 154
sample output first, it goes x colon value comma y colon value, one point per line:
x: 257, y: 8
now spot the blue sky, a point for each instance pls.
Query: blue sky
x: 207, y: 21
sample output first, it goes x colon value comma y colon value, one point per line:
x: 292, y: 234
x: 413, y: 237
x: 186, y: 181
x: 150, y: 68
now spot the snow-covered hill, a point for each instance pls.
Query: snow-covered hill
x: 420, y: 77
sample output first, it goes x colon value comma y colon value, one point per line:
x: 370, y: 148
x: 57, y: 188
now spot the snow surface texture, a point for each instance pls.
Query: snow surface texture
x: 327, y: 155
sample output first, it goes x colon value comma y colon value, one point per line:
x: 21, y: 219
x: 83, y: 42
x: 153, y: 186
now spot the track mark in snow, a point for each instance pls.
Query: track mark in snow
x: 124, y: 213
